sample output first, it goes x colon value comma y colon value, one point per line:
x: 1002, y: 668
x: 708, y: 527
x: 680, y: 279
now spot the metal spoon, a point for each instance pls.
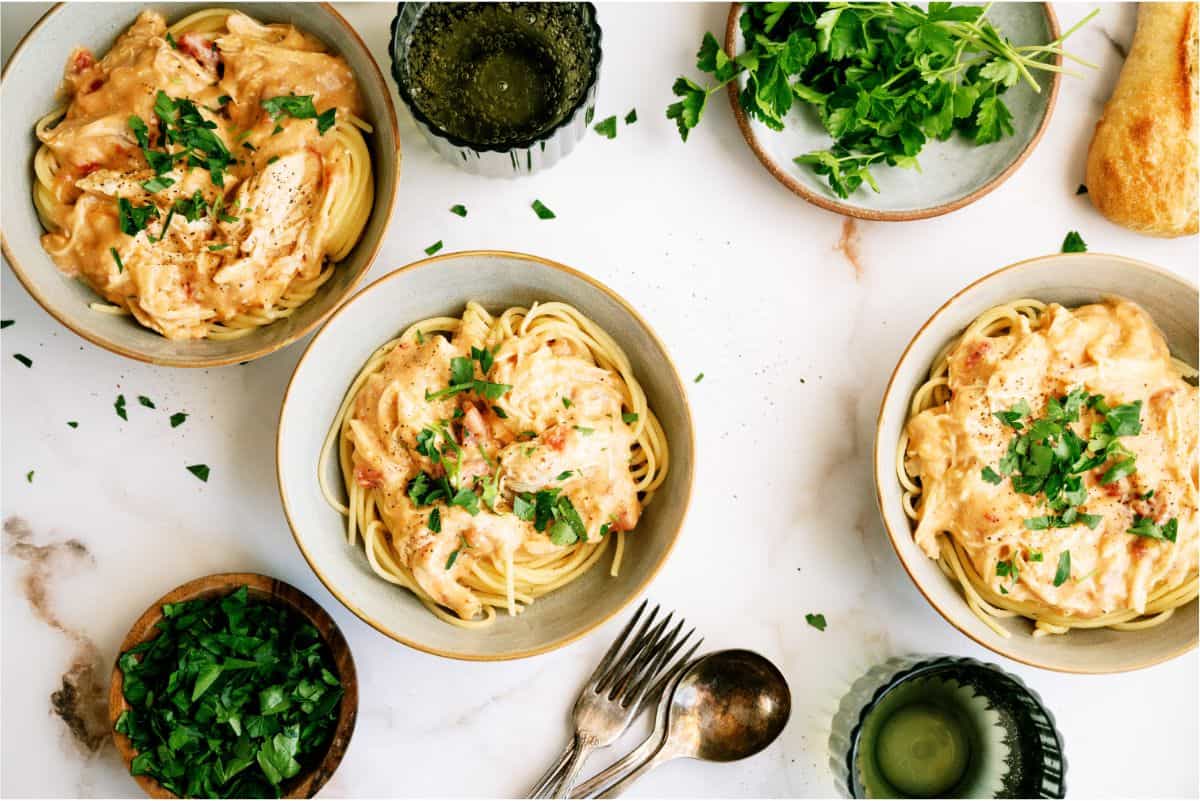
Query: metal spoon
x: 726, y: 706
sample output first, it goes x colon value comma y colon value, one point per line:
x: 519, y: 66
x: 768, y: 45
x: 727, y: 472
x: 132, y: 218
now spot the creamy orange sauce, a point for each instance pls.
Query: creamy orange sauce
x: 181, y: 280
x: 539, y: 439
x: 1112, y: 349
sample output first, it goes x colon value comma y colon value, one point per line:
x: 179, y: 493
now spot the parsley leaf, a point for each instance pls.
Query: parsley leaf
x: 200, y: 471
x: 23, y: 359
x: 542, y: 211
x: 1064, y: 568
x: 607, y: 127
x: 817, y: 621
x: 434, y: 248
x: 459, y: 209
x: 1073, y: 243
x: 177, y: 419
x: 149, y: 404
x: 119, y: 405
x: 631, y: 117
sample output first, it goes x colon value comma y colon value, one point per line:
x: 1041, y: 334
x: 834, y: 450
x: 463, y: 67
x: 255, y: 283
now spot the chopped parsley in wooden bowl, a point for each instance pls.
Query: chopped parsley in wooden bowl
x: 234, y: 685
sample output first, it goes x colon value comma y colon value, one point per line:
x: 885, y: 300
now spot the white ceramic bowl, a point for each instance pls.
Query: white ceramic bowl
x: 31, y: 79
x: 442, y: 286
x: 1072, y: 280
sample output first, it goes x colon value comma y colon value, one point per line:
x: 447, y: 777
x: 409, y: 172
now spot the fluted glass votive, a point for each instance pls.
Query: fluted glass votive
x: 499, y: 89
x: 944, y: 727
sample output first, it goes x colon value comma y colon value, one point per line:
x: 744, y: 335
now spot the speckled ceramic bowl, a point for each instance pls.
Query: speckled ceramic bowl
x: 30, y: 82
x: 953, y: 173
x: 442, y: 286
x: 1072, y: 280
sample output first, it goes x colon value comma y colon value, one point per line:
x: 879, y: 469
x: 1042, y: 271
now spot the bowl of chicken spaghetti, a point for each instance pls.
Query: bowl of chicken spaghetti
x: 203, y: 184
x: 1036, y: 462
x: 485, y: 455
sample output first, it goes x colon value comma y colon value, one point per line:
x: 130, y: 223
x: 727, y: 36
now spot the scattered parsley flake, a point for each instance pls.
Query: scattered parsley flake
x: 149, y: 404
x: 542, y: 211
x: 459, y: 209
x: 629, y: 418
x: 699, y: 377
x: 1073, y: 243
x: 177, y: 419
x: 1064, y: 568
x: 117, y: 257
x: 1082, y: 190
x: 817, y: 621
x: 23, y: 359
x: 29, y: 477
x: 200, y: 471
x: 73, y: 423
x: 434, y: 248
x: 631, y: 117
x: 607, y: 127
x: 6, y: 323
x: 119, y: 405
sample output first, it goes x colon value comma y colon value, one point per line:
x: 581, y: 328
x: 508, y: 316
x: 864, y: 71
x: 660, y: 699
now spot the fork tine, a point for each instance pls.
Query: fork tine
x: 665, y: 648
x: 635, y: 662
x: 615, y: 648
x: 617, y: 667
x: 660, y: 686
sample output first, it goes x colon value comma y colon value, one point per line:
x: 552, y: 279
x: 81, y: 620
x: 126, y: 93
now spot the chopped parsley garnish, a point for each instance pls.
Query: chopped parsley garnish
x: 566, y: 402
x: 551, y: 512
x: 503, y: 415
x: 1036, y: 556
x: 149, y: 404
x: 629, y: 418
x: 200, y: 471
x: 119, y: 405
x: 631, y: 117
x: 564, y: 475
x: 462, y: 543
x: 133, y: 218
x: 1007, y: 569
x: 232, y: 697
x: 1082, y: 190
x: 73, y: 423
x: 171, y: 41
x: 298, y: 107
x: 23, y: 359
x: 1073, y: 243
x: 1146, y: 527
x: 1064, y: 568
x: 435, y: 521
x: 6, y: 323
x: 215, y: 248
x: 1047, y: 457
x: 699, y: 377
x: 991, y: 476
x: 607, y: 127
x: 117, y: 258
x: 272, y: 160
x: 434, y: 248
x: 462, y: 378
x: 459, y: 209
x: 817, y: 621
x: 585, y: 430
x: 542, y: 211
x: 183, y: 125
x: 158, y: 183
x: 29, y: 477
x: 177, y: 419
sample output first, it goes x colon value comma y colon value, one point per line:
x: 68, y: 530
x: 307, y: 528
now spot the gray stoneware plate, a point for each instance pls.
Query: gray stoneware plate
x: 31, y: 80
x: 1072, y: 280
x: 442, y: 286
x: 953, y: 173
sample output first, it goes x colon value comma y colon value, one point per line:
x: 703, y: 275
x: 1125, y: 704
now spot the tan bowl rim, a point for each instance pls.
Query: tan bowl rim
x: 894, y: 537
x: 862, y: 213
x: 562, y: 641
x: 30, y: 285
x: 317, y: 774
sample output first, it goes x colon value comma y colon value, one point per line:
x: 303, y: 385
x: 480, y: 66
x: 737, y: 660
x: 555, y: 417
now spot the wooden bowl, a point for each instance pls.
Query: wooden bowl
x: 953, y: 173
x: 261, y: 588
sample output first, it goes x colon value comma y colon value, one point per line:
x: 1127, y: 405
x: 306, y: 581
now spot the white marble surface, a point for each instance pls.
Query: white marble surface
x: 744, y: 282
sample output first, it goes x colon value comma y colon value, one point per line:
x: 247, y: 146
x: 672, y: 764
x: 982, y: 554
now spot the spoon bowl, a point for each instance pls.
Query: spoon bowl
x: 729, y: 705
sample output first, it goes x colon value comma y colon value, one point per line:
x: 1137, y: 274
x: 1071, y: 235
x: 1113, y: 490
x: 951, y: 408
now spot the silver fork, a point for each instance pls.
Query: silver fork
x: 614, y: 695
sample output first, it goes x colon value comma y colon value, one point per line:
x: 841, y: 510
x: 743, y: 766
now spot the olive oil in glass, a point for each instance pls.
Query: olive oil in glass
x: 944, y: 727
x: 497, y: 77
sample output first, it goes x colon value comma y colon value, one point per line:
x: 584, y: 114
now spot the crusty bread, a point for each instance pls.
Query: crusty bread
x: 1142, y: 163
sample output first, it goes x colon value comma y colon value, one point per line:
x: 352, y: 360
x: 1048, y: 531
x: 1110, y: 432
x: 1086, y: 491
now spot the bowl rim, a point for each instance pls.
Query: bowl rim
x: 282, y: 594
x: 861, y: 212
x: 27, y: 280
x: 402, y: 89
x: 895, y: 538
x: 689, y: 475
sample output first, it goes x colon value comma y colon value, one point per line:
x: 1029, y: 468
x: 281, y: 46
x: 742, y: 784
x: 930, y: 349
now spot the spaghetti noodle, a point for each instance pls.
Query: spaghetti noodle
x: 984, y: 533
x: 204, y: 177
x: 489, y: 460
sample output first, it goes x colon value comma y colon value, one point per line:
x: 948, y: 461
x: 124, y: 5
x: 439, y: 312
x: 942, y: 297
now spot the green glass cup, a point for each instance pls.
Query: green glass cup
x: 498, y: 89
x: 944, y: 727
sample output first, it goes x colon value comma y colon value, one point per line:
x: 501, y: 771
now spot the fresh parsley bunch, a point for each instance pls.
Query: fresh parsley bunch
x: 228, y: 699
x: 883, y: 78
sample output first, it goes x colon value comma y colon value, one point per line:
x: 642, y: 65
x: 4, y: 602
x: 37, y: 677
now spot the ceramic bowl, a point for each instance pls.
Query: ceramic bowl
x: 1072, y: 280
x: 953, y: 173
x: 442, y: 286
x: 30, y: 82
x: 259, y: 588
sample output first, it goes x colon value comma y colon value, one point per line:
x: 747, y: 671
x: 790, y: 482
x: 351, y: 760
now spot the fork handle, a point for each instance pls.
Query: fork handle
x: 596, y: 785
x: 548, y: 778
x: 584, y: 745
